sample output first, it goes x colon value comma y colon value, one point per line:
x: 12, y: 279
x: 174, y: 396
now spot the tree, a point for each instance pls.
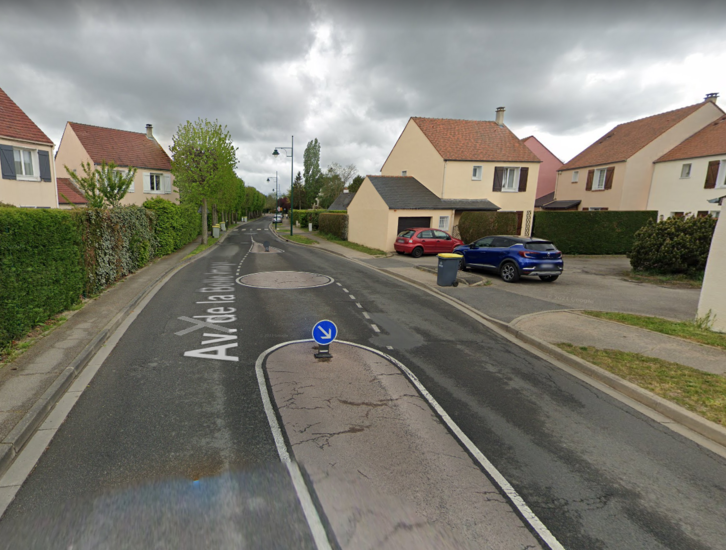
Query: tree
x: 105, y: 185
x: 284, y: 203
x: 311, y: 171
x: 355, y: 184
x: 335, y: 179
x: 203, y: 161
x: 299, y: 196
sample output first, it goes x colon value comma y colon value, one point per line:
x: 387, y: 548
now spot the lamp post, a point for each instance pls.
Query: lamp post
x: 276, y: 199
x: 275, y: 153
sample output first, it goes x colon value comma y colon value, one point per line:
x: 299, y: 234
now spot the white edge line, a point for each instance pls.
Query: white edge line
x: 528, y: 515
x: 306, y: 502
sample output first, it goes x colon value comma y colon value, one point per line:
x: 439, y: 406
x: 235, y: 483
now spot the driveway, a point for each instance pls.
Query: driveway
x: 588, y: 282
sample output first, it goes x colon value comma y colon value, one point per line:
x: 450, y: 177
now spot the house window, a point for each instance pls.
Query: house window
x: 598, y: 182
x: 575, y: 176
x: 510, y: 179
x: 404, y: 173
x: 721, y: 179
x: 444, y: 223
x: 155, y: 183
x: 25, y: 163
x: 676, y: 215
x: 686, y: 171
x: 476, y: 173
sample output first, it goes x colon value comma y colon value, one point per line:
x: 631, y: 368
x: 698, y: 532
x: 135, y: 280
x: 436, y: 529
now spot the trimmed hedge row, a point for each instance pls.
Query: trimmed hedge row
x: 597, y: 232
x: 675, y: 245
x: 312, y: 216
x: 41, y: 267
x: 176, y: 224
x: 334, y: 224
x: 475, y: 225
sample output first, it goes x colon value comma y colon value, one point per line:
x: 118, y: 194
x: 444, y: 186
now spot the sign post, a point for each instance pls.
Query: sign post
x: 324, y: 332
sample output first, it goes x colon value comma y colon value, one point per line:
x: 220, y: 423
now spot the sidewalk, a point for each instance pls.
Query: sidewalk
x: 32, y: 384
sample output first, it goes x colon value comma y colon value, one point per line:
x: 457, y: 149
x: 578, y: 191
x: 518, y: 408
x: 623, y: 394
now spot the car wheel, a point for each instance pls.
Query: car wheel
x: 417, y: 252
x: 549, y: 278
x: 462, y: 265
x: 509, y: 272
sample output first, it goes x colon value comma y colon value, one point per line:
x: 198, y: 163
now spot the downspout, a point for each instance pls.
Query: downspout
x: 54, y: 180
x: 443, y: 182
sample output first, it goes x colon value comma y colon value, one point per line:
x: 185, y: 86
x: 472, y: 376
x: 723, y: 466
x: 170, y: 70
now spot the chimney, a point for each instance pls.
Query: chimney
x: 711, y: 97
x: 149, y: 131
x: 345, y: 190
x: 500, y: 116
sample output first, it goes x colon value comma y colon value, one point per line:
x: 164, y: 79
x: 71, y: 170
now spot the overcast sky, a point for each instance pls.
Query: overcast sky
x: 352, y: 73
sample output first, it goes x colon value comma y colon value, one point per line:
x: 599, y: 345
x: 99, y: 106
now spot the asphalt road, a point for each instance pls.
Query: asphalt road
x: 166, y: 446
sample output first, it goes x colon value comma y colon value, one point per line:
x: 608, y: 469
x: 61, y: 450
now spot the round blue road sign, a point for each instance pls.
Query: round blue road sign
x: 324, y: 332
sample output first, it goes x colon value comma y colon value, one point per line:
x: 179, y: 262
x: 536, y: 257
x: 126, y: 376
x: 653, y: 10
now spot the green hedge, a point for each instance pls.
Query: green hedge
x: 598, y: 232
x: 334, y: 224
x: 675, y: 245
x: 475, y: 225
x: 176, y: 225
x: 312, y: 216
x: 41, y: 268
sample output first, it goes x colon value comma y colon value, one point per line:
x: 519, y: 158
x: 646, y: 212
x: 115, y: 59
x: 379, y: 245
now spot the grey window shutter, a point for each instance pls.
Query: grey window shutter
x: 7, y: 162
x: 711, y: 174
x: 44, y: 162
x: 498, y: 177
x: 523, y: 175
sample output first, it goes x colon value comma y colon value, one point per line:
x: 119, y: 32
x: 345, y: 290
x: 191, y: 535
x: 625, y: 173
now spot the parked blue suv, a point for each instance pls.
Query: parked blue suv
x: 513, y: 257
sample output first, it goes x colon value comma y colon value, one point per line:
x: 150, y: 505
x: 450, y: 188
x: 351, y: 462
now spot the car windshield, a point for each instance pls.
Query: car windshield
x: 540, y: 246
x: 405, y: 234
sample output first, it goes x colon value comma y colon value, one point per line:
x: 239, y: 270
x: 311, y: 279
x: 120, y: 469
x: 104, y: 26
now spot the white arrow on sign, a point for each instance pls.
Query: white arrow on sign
x: 327, y: 335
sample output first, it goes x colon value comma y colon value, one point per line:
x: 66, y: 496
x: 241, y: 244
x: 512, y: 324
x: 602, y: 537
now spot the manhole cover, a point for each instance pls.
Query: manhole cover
x: 285, y: 280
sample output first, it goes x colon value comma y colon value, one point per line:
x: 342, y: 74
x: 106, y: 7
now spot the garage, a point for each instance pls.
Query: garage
x: 406, y: 223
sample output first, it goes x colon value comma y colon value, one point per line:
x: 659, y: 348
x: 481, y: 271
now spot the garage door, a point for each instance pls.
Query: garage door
x: 406, y: 223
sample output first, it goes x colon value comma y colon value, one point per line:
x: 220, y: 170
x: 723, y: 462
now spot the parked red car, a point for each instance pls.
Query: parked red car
x: 418, y: 241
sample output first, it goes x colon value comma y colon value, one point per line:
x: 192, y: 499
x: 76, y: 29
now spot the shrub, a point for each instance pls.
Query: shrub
x: 598, y: 232
x: 334, y: 224
x: 474, y: 225
x: 176, y: 225
x: 675, y: 245
x: 41, y: 268
x: 312, y: 216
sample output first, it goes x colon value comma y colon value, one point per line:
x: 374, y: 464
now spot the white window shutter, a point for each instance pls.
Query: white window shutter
x: 133, y: 183
x: 147, y: 182
x: 167, y: 184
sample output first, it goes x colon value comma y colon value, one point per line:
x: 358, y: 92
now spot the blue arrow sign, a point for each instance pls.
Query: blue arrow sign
x: 324, y: 332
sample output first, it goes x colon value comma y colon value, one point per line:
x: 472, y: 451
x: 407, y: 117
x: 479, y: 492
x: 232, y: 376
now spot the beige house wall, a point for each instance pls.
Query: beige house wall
x: 368, y: 217
x: 137, y: 196
x: 35, y: 193
x: 608, y: 198
x: 394, y: 215
x: 414, y: 154
x: 713, y: 297
x: 669, y: 192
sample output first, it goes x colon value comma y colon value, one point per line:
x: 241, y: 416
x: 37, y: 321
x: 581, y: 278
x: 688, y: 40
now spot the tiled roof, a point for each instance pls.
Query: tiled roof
x: 544, y: 199
x: 67, y: 187
x: 14, y: 123
x: 623, y: 141
x: 342, y: 201
x: 560, y: 205
x: 709, y: 141
x: 122, y: 147
x: 407, y: 193
x: 477, y: 140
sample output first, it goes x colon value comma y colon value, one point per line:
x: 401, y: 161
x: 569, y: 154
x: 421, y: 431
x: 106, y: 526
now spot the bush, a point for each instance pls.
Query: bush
x: 312, y: 216
x: 599, y: 232
x: 176, y: 225
x: 675, y: 245
x: 474, y: 225
x: 41, y: 267
x: 334, y: 224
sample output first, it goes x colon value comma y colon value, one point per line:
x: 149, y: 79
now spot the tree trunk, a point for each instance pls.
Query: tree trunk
x: 215, y: 220
x: 204, y: 221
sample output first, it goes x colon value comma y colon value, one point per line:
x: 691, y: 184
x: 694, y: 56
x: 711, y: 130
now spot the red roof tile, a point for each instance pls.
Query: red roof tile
x: 477, y: 140
x: 67, y: 187
x: 623, y: 141
x: 14, y: 123
x: 122, y: 147
x: 709, y: 141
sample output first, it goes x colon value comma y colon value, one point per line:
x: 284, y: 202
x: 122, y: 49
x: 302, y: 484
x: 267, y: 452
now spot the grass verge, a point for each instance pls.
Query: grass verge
x: 700, y: 392
x: 201, y: 247
x: 689, y: 330
x: 353, y: 246
x: 299, y: 239
x: 678, y: 281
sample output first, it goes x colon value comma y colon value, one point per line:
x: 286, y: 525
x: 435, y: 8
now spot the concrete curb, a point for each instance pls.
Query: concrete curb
x: 14, y: 442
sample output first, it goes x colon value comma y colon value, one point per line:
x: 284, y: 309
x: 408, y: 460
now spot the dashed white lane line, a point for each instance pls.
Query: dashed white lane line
x: 259, y: 229
x: 365, y: 314
x: 351, y: 297
x: 345, y: 290
x: 375, y: 328
x: 359, y: 306
x: 389, y: 347
x: 338, y: 284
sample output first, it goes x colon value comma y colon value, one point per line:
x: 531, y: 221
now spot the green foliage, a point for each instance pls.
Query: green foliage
x: 335, y: 179
x: 298, y: 194
x: 104, y: 186
x: 355, y: 184
x: 475, y: 225
x: 176, y: 225
x: 6, y: 205
x: 311, y: 171
x: 306, y: 217
x: 334, y: 224
x: 41, y: 268
x: 598, y: 232
x: 675, y: 245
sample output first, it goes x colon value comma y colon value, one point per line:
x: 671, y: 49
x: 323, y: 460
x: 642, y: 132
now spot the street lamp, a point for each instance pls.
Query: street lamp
x: 276, y: 199
x: 276, y: 153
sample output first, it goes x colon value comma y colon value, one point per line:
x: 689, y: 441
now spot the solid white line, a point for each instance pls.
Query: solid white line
x: 365, y: 314
x: 375, y: 328
x: 306, y: 502
x: 360, y: 306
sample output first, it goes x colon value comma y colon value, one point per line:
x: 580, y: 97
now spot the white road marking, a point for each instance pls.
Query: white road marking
x: 358, y: 304
x: 345, y: 290
x: 374, y: 327
x: 338, y: 284
x: 389, y: 347
x: 365, y: 314
x: 351, y: 297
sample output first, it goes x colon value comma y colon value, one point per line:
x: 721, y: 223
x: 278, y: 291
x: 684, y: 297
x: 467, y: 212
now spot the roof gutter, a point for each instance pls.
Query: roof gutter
x: 46, y: 143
